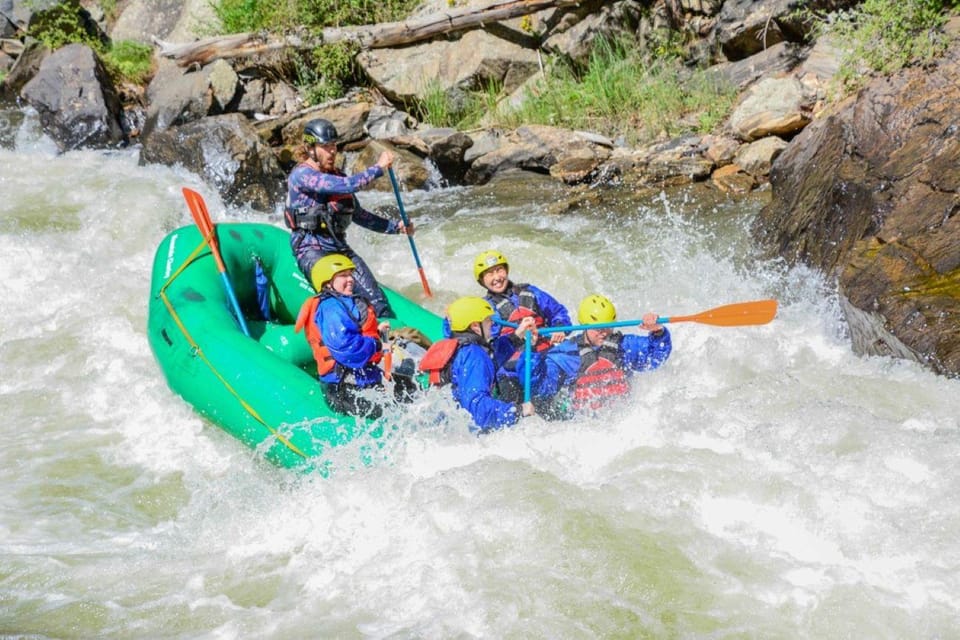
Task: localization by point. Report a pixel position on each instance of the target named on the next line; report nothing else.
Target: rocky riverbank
(865, 190)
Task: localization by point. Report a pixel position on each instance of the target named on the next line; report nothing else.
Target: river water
(764, 483)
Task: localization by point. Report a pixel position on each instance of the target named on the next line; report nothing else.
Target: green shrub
(456, 108)
(883, 36)
(129, 60)
(62, 25)
(622, 92)
(323, 73)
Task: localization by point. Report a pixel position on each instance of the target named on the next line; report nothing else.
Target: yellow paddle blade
(739, 314)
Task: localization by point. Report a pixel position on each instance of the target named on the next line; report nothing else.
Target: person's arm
(554, 314)
(342, 336)
(472, 380)
(647, 352)
(317, 183)
(551, 370)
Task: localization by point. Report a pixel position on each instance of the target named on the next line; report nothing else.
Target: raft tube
(261, 389)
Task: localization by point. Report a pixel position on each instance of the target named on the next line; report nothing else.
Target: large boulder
(747, 27)
(227, 152)
(871, 195)
(538, 148)
(504, 54)
(174, 20)
(76, 99)
(471, 62)
(176, 96)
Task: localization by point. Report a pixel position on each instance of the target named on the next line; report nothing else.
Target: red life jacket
(601, 376)
(515, 313)
(307, 320)
(438, 358)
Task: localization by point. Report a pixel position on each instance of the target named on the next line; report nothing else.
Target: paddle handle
(406, 224)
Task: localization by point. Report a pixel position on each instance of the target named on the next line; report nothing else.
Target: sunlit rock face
(872, 195)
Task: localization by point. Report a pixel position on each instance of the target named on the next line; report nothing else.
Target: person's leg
(405, 388)
(509, 388)
(367, 286)
(307, 258)
(348, 400)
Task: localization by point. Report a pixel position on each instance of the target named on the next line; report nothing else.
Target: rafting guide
(321, 205)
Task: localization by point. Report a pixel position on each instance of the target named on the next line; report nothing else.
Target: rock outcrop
(871, 194)
(76, 99)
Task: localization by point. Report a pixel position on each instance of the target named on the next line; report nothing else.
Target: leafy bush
(883, 36)
(129, 60)
(622, 92)
(325, 72)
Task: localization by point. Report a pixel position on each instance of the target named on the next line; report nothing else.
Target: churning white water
(764, 483)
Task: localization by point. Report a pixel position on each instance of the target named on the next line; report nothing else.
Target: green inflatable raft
(261, 389)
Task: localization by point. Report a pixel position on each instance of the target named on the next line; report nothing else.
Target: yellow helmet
(464, 311)
(486, 260)
(327, 267)
(596, 309)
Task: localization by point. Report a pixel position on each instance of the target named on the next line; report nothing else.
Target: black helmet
(319, 131)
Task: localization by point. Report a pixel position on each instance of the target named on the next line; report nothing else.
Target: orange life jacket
(515, 313)
(601, 376)
(307, 321)
(436, 361)
(438, 358)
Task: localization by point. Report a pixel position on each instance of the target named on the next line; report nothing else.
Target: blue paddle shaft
(582, 327)
(403, 215)
(233, 302)
(527, 349)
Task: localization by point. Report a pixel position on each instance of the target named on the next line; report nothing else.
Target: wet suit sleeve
(316, 183)
(472, 380)
(369, 220)
(643, 353)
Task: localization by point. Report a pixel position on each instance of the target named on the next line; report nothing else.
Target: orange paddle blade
(201, 216)
(739, 314)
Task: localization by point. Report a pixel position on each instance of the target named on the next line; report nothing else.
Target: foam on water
(765, 482)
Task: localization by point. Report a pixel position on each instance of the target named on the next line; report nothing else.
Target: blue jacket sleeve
(554, 313)
(551, 370)
(472, 380)
(646, 352)
(341, 335)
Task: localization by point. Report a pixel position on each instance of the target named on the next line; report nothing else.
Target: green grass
(129, 61)
(458, 109)
(619, 92)
(884, 36)
(325, 72)
(126, 61)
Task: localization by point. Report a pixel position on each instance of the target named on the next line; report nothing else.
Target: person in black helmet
(321, 205)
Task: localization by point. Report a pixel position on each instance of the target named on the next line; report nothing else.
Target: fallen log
(387, 34)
